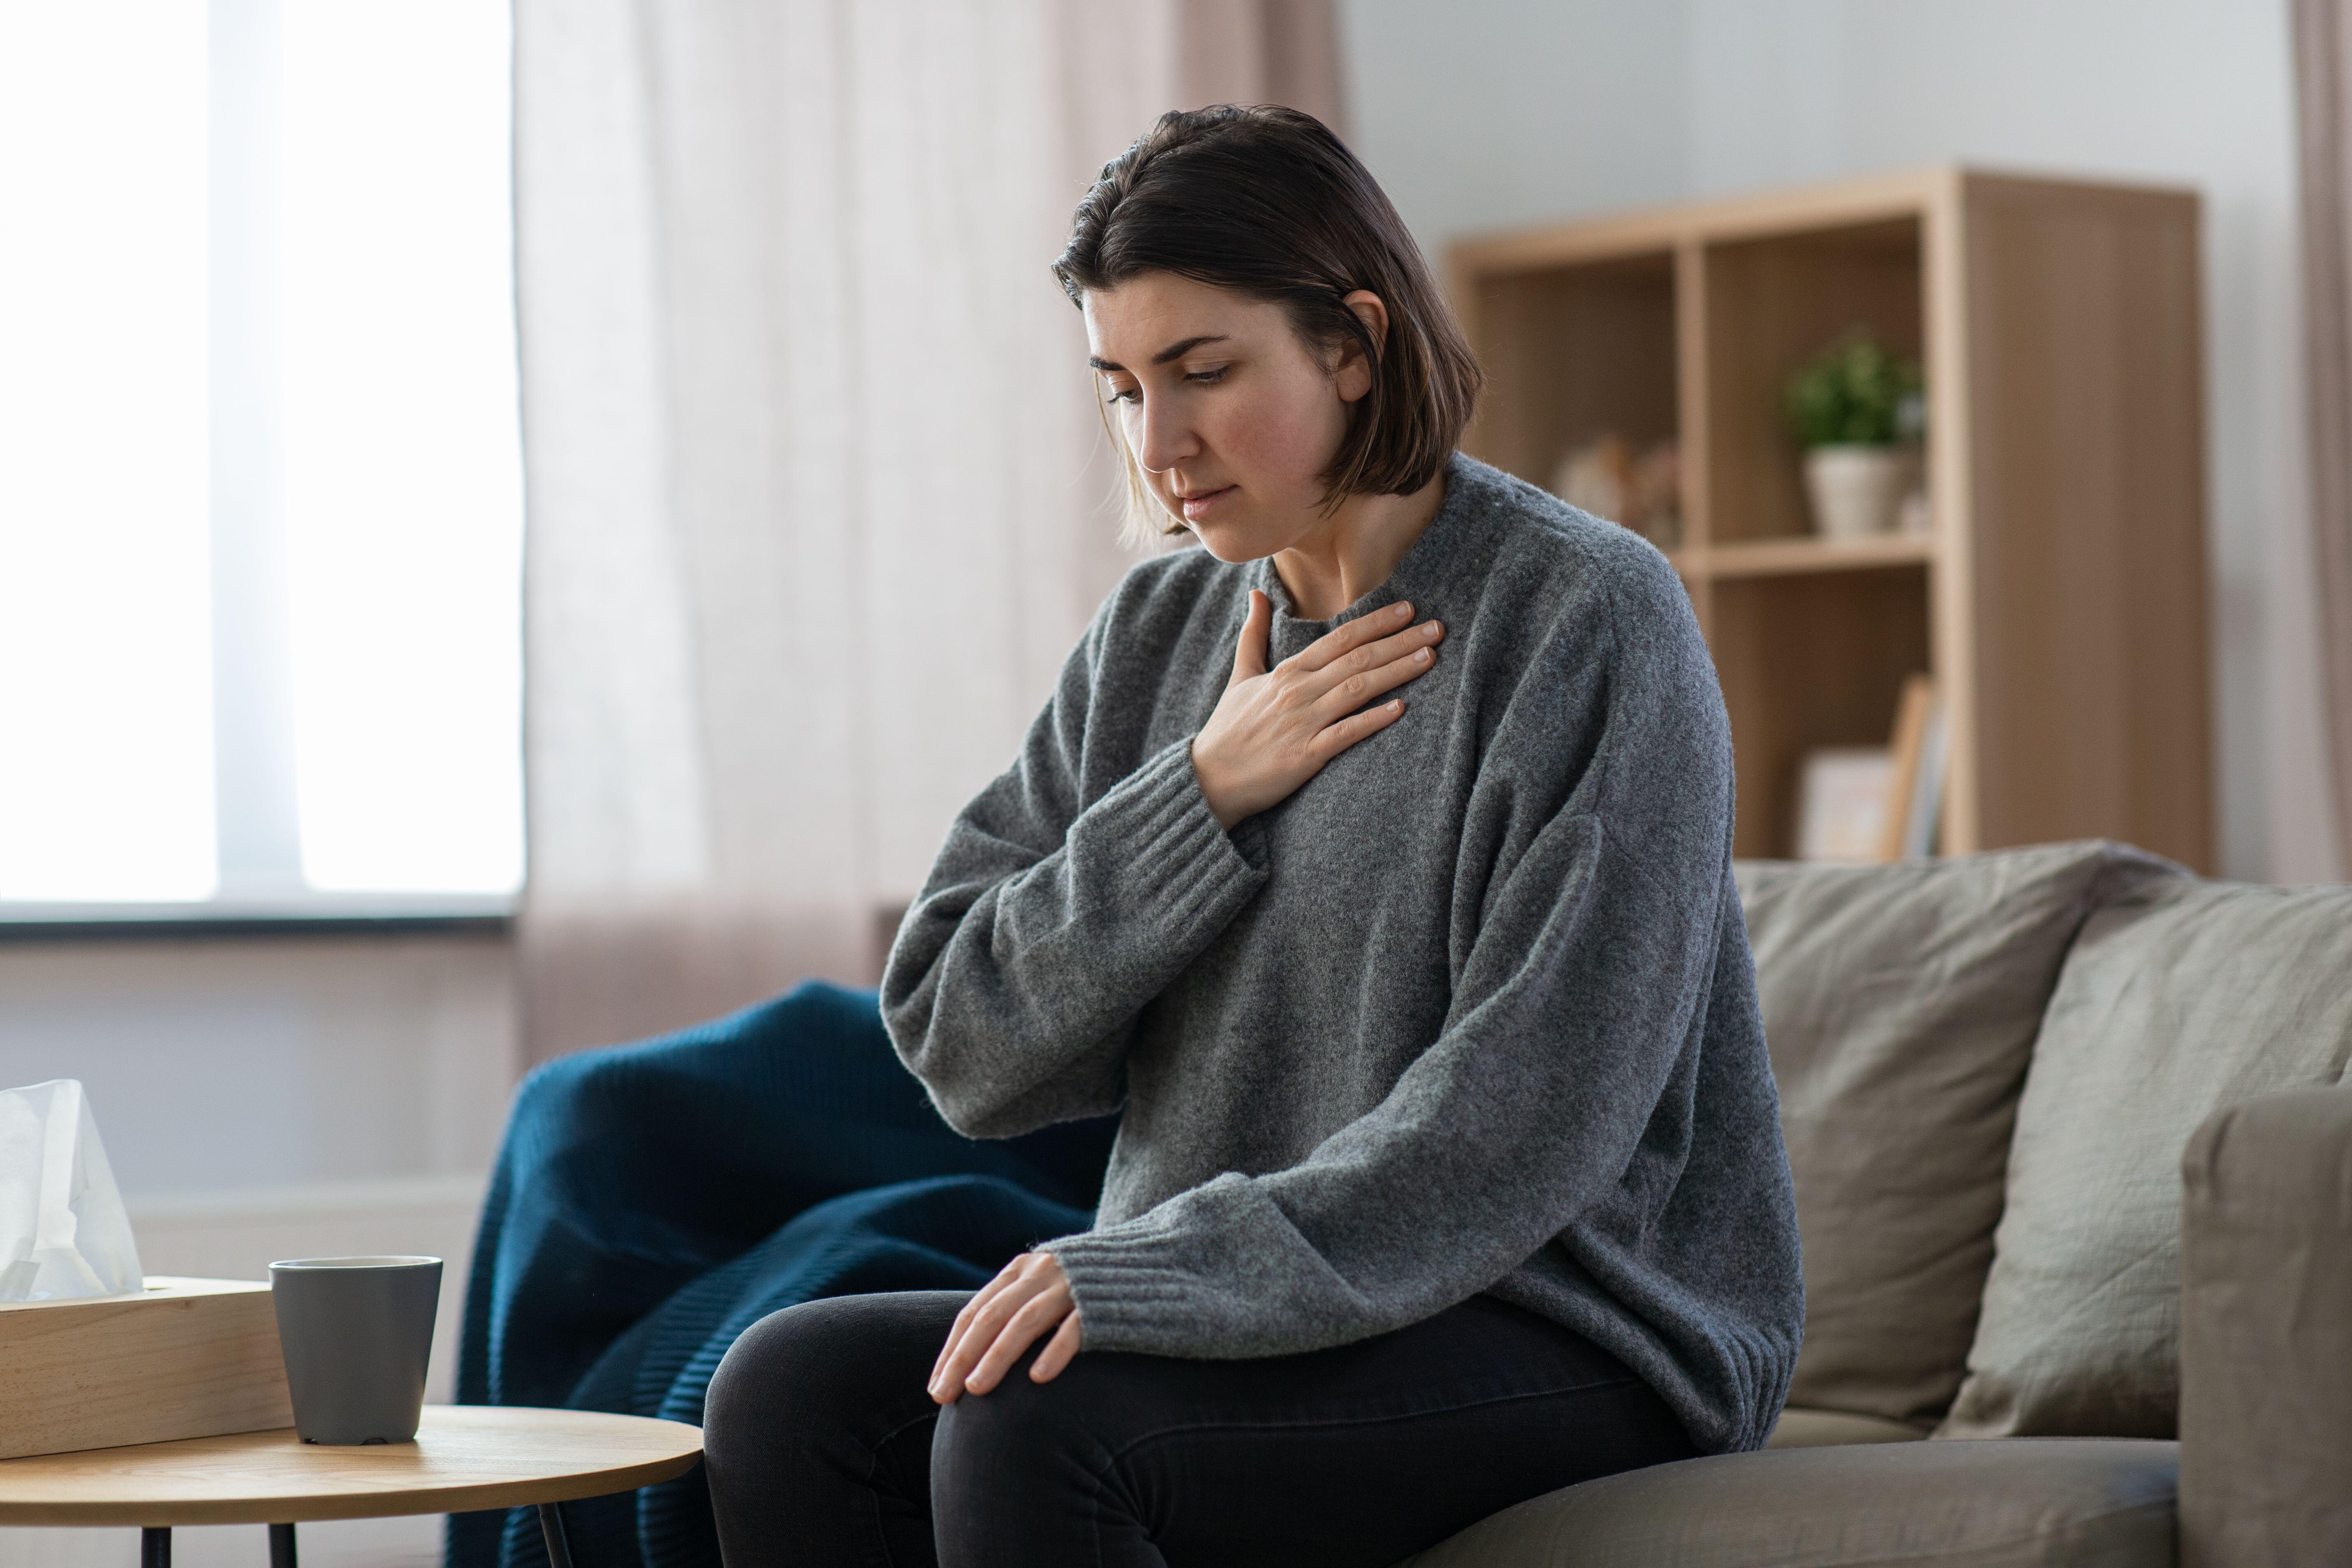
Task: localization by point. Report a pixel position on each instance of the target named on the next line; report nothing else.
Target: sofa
(2072, 1148)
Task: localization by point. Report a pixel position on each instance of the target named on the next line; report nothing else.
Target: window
(260, 491)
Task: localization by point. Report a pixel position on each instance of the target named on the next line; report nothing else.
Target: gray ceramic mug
(357, 1334)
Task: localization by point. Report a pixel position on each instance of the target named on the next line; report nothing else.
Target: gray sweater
(1471, 1011)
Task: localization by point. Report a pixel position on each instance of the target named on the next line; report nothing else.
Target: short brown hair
(1266, 202)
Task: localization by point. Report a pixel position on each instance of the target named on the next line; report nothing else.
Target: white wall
(1488, 113)
(282, 1098)
(412, 1540)
(223, 1062)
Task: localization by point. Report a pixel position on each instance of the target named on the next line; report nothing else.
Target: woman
(1373, 858)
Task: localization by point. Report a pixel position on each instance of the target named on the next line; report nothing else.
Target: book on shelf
(1916, 799)
(1841, 803)
(1864, 804)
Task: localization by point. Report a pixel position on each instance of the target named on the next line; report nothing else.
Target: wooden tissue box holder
(183, 1358)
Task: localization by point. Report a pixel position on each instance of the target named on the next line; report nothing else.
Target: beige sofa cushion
(2187, 997)
(2266, 1331)
(2023, 1503)
(1901, 1003)
(1799, 1428)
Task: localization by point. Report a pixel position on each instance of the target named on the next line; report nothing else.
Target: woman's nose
(1166, 437)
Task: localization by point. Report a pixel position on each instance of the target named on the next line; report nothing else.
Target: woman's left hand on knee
(1029, 1300)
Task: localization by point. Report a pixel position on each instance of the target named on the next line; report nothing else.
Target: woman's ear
(1354, 371)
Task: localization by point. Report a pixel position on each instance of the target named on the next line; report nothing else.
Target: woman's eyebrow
(1173, 351)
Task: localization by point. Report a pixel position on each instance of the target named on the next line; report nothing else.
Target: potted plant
(1857, 409)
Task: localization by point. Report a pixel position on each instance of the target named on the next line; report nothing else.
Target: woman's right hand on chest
(1273, 729)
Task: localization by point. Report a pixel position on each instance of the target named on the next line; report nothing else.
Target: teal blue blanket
(651, 1202)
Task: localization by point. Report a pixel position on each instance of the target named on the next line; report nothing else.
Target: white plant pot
(1857, 491)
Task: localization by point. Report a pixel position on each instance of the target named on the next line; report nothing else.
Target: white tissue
(63, 1231)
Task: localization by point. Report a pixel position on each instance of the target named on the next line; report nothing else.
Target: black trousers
(823, 1449)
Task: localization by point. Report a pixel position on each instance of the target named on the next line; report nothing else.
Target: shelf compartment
(1808, 661)
(1771, 304)
(1790, 557)
(1572, 351)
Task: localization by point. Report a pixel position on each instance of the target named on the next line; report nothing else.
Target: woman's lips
(1197, 504)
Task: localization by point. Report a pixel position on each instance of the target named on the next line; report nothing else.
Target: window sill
(321, 914)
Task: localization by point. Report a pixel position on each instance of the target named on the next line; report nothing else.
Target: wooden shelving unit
(2058, 598)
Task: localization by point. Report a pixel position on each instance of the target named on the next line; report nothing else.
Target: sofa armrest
(2267, 1334)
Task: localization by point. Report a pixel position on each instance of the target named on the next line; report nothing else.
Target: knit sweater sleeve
(1049, 919)
(1604, 805)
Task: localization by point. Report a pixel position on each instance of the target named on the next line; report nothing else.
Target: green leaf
(1855, 391)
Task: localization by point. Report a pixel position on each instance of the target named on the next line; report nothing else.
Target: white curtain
(817, 499)
(2323, 47)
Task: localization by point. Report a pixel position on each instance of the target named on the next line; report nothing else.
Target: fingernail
(1402, 610)
(1431, 629)
(1422, 656)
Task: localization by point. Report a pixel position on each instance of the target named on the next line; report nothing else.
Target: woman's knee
(817, 1416)
(839, 1361)
(1068, 1429)
(1032, 1471)
(781, 1365)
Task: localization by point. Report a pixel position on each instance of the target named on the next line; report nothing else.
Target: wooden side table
(465, 1457)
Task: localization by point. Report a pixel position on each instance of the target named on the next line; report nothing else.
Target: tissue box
(185, 1358)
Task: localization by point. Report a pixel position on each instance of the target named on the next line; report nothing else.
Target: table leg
(155, 1547)
(551, 1525)
(281, 1546)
